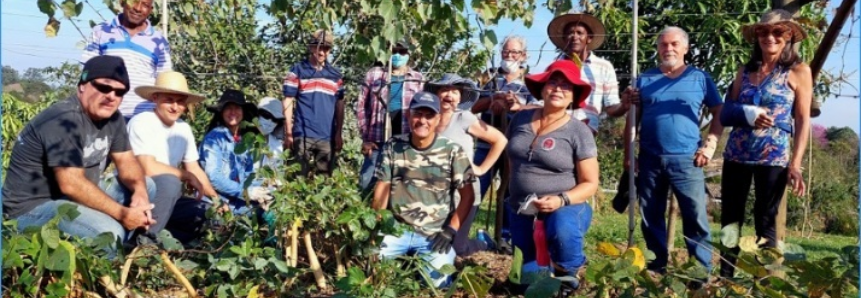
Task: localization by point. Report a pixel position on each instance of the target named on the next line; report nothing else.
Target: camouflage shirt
(423, 180)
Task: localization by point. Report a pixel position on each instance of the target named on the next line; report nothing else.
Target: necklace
(541, 130)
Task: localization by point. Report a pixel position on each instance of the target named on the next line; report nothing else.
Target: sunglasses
(105, 89)
(315, 47)
(776, 31)
(267, 115)
(401, 51)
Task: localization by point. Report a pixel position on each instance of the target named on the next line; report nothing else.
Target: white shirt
(169, 145)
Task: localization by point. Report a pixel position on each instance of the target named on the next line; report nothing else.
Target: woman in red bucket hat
(554, 170)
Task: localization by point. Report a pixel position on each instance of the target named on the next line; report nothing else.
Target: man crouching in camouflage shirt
(416, 179)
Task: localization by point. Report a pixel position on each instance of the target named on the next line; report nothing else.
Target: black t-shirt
(60, 136)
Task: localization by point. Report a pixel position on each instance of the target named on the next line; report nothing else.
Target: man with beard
(672, 154)
(146, 51)
(316, 89)
(578, 35)
(416, 179)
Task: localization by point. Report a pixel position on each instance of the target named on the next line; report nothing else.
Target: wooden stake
(294, 243)
(339, 261)
(671, 222)
(124, 274)
(178, 275)
(315, 263)
(288, 247)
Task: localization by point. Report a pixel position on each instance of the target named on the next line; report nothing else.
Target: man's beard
(670, 62)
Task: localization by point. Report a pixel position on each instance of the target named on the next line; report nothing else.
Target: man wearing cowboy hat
(578, 35)
(404, 83)
(60, 154)
(131, 37)
(165, 146)
(318, 118)
(672, 152)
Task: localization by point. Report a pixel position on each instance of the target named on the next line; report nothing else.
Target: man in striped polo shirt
(316, 121)
(578, 35)
(145, 51)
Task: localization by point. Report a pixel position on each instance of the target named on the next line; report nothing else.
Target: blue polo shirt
(146, 54)
(671, 109)
(316, 93)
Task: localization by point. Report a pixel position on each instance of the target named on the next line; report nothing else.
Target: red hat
(569, 69)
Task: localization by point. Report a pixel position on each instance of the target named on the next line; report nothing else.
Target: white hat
(271, 105)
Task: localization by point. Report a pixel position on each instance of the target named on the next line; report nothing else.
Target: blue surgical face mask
(399, 60)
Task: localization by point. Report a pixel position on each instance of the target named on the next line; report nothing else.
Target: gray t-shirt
(458, 131)
(552, 169)
(60, 136)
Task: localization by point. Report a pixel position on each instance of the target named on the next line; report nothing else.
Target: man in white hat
(578, 35)
(163, 142)
(313, 125)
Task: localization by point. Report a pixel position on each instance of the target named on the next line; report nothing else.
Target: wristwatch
(566, 200)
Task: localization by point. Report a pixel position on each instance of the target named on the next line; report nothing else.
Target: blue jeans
(565, 230)
(90, 223)
(366, 174)
(657, 175)
(412, 242)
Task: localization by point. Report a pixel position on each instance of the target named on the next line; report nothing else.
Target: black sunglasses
(400, 51)
(105, 89)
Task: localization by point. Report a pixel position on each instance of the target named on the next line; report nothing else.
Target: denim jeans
(367, 180)
(90, 223)
(565, 231)
(658, 174)
(411, 242)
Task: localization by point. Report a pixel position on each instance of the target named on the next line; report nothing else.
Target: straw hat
(169, 82)
(774, 17)
(555, 30)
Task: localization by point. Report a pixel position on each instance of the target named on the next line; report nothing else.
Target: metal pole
(387, 130)
(632, 119)
(164, 18)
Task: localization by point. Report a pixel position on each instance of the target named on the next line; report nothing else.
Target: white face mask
(267, 126)
(510, 66)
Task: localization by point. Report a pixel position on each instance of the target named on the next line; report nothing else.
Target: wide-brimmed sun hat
(272, 106)
(774, 17)
(468, 88)
(535, 82)
(170, 82)
(556, 28)
(249, 110)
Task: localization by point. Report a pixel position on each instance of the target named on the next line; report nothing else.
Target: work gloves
(442, 241)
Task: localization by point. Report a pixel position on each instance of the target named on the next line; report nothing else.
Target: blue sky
(24, 45)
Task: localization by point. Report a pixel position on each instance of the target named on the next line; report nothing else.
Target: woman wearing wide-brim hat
(769, 103)
(227, 169)
(553, 157)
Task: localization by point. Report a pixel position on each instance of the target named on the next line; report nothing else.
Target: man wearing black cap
(312, 128)
(376, 97)
(416, 178)
(59, 156)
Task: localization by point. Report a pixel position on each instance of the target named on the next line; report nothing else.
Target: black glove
(441, 241)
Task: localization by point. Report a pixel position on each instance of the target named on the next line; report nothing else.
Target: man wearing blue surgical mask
(379, 98)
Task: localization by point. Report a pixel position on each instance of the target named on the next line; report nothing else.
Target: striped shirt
(605, 89)
(370, 111)
(316, 93)
(146, 54)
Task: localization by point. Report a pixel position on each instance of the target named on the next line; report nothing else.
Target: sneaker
(486, 238)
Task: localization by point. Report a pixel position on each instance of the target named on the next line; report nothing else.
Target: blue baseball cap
(425, 100)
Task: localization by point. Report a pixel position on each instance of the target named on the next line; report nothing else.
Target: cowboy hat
(556, 28)
(170, 82)
(774, 17)
(249, 110)
(468, 89)
(535, 82)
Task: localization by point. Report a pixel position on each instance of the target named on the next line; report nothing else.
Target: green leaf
(730, 235)
(386, 10)
(46, 7)
(280, 265)
(224, 265)
(515, 272)
(69, 8)
(50, 236)
(488, 39)
(168, 242)
(63, 258)
(544, 288)
(260, 264)
(447, 269)
(370, 220)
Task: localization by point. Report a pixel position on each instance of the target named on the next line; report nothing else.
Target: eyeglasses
(401, 51)
(105, 89)
(776, 31)
(507, 52)
(561, 83)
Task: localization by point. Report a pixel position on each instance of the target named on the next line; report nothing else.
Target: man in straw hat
(578, 35)
(163, 142)
(316, 122)
(131, 37)
(60, 154)
(672, 152)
